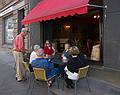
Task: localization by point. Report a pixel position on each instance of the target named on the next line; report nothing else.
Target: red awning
(51, 9)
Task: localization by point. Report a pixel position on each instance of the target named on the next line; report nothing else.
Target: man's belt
(17, 50)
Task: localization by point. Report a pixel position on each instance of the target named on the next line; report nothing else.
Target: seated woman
(78, 60)
(61, 60)
(33, 53)
(66, 55)
(41, 62)
(33, 56)
(48, 49)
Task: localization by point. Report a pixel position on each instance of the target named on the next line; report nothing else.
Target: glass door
(9, 28)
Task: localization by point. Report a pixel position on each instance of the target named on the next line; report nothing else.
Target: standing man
(18, 50)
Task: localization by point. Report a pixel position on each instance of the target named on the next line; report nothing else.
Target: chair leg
(15, 66)
(63, 84)
(58, 82)
(30, 76)
(88, 84)
(25, 75)
(29, 82)
(63, 80)
(48, 88)
(32, 87)
(75, 87)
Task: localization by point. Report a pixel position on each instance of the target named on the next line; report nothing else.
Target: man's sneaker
(19, 80)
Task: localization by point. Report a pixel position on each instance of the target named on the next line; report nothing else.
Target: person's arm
(53, 51)
(33, 56)
(48, 65)
(15, 44)
(33, 63)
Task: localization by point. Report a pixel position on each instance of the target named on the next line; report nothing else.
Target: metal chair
(82, 74)
(26, 66)
(30, 73)
(40, 75)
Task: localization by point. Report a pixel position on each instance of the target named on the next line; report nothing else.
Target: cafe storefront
(79, 22)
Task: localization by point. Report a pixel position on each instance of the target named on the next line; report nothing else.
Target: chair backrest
(40, 74)
(83, 71)
(26, 65)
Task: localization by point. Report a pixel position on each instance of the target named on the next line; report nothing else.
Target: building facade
(108, 27)
(11, 14)
(109, 34)
(36, 32)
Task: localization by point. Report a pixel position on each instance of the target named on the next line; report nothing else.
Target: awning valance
(51, 9)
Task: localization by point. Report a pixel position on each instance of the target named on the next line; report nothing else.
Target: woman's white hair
(36, 47)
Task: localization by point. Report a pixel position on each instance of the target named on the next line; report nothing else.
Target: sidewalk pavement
(8, 83)
(102, 81)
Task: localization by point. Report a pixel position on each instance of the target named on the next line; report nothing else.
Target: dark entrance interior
(81, 30)
(21, 15)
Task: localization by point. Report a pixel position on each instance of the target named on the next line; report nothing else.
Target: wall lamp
(67, 26)
(96, 16)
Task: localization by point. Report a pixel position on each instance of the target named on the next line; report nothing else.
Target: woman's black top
(75, 63)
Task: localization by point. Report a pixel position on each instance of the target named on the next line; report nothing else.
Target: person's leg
(18, 66)
(62, 66)
(68, 81)
(30, 68)
(22, 67)
(15, 58)
(51, 73)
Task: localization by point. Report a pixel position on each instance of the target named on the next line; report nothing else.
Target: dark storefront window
(84, 31)
(21, 15)
(96, 2)
(9, 28)
(81, 30)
